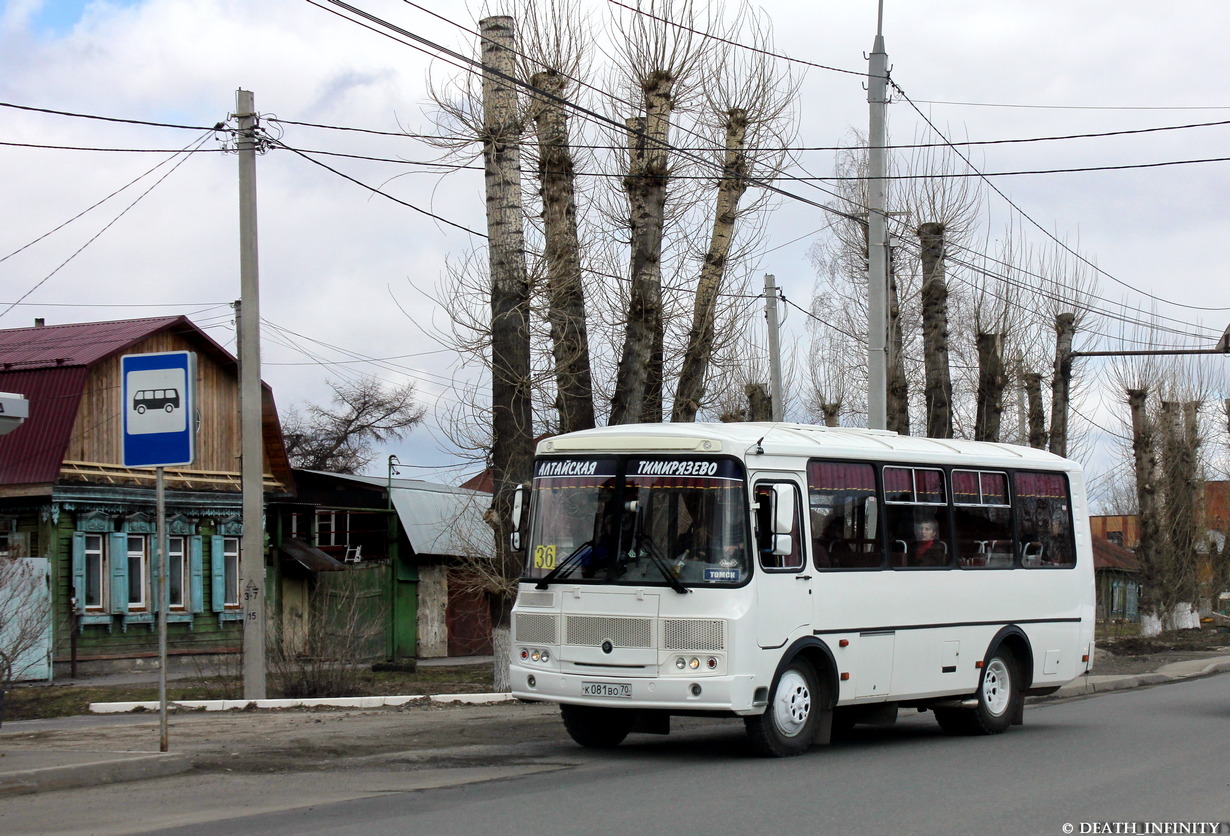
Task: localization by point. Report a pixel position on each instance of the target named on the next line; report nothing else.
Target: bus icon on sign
(145, 399)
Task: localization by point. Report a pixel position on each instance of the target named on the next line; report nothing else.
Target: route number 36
(544, 557)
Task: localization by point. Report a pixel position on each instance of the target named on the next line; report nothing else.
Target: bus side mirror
(518, 506)
(783, 519)
(783, 509)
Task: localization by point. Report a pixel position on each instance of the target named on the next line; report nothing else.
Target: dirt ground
(1133, 654)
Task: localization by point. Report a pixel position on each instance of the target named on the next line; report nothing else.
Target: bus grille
(693, 634)
(591, 631)
(535, 628)
(536, 599)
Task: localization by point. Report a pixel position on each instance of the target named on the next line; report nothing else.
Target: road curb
(336, 702)
(105, 769)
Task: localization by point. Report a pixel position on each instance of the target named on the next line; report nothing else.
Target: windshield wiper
(649, 547)
(567, 563)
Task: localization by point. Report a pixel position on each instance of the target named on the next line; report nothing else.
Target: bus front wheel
(998, 696)
(597, 728)
(788, 725)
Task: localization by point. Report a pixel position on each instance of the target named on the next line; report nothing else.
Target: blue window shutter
(117, 554)
(217, 574)
(153, 549)
(79, 567)
(196, 580)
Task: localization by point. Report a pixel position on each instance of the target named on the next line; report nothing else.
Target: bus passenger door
(783, 584)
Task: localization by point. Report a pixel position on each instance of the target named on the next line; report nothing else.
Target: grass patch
(36, 701)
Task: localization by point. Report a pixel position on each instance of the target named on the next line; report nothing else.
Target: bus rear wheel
(597, 728)
(788, 725)
(998, 695)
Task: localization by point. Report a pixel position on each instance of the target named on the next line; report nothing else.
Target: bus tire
(788, 725)
(999, 696)
(597, 728)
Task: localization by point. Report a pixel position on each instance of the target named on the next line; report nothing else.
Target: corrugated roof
(309, 557)
(77, 344)
(438, 519)
(1108, 555)
(49, 366)
(444, 521)
(32, 453)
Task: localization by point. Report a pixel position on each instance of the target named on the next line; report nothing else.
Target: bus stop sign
(159, 408)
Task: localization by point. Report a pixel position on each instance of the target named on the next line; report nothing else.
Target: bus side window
(1044, 519)
(765, 536)
(845, 524)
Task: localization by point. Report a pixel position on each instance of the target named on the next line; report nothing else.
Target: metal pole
(252, 554)
(164, 601)
(877, 235)
(775, 355)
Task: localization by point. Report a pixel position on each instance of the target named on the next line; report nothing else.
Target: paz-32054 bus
(799, 577)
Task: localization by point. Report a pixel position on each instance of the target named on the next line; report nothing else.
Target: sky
(348, 276)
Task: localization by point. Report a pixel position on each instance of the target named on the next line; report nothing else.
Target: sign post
(159, 421)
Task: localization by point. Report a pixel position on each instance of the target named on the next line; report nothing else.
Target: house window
(326, 528)
(230, 560)
(137, 563)
(94, 593)
(176, 574)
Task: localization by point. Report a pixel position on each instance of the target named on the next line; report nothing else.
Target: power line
(39, 146)
(220, 126)
(96, 235)
(174, 154)
(1074, 107)
(1043, 229)
(441, 219)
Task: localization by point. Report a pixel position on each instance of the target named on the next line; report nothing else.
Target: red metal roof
(31, 454)
(49, 365)
(87, 343)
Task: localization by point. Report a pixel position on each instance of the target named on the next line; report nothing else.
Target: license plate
(610, 690)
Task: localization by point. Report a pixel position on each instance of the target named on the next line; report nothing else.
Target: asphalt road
(1150, 755)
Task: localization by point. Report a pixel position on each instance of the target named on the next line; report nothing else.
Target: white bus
(800, 577)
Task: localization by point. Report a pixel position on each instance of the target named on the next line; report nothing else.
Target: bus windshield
(663, 521)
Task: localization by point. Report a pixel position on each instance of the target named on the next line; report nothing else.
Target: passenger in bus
(928, 548)
(604, 546)
(823, 545)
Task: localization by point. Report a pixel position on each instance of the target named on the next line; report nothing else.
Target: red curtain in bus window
(994, 488)
(1041, 485)
(898, 484)
(840, 477)
(965, 487)
(929, 485)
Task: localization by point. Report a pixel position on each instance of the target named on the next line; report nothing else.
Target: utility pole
(252, 552)
(775, 354)
(877, 235)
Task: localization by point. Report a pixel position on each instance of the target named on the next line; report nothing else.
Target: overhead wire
(109, 224)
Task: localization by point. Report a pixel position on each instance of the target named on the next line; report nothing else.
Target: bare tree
(340, 440)
(659, 62)
(555, 50)
(747, 100)
(24, 620)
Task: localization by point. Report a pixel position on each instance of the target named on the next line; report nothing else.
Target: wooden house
(65, 495)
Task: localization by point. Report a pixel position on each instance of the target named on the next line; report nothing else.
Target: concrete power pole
(877, 235)
(775, 354)
(252, 551)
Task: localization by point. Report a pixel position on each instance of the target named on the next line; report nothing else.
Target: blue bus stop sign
(159, 408)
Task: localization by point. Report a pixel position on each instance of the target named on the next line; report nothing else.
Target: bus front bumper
(673, 693)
